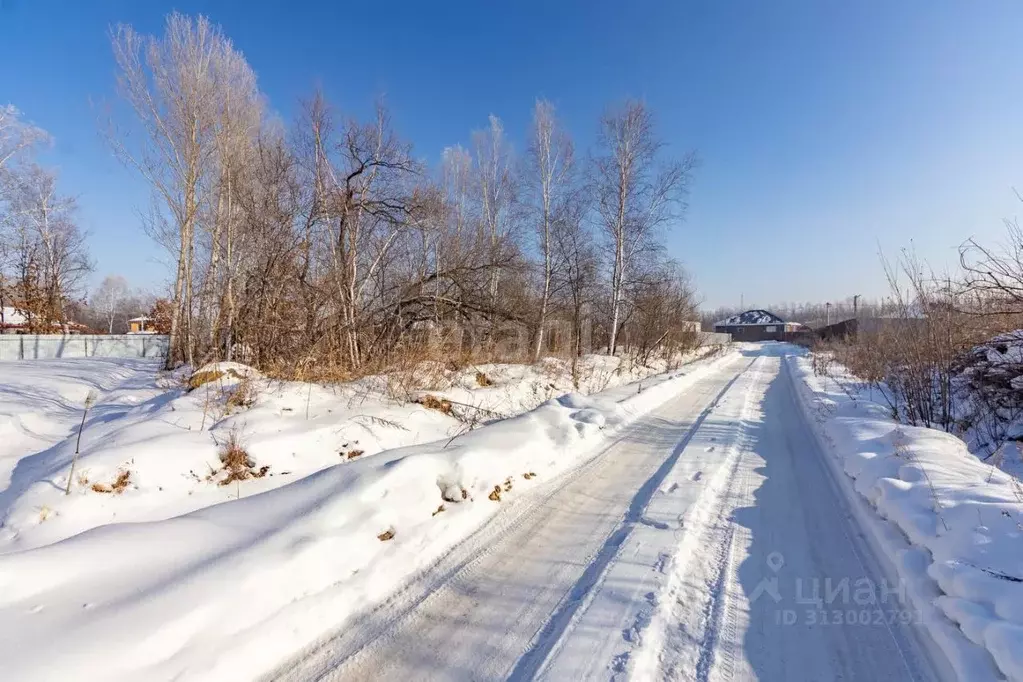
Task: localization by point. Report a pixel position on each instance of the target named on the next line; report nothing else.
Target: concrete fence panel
(42, 346)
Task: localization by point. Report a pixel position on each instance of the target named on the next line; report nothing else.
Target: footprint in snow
(711, 448)
(698, 475)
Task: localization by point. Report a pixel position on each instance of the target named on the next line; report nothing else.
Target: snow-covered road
(709, 542)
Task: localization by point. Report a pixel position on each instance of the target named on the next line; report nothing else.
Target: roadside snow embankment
(158, 446)
(958, 547)
(230, 591)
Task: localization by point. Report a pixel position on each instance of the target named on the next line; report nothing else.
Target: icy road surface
(710, 542)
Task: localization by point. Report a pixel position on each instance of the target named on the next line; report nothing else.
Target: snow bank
(958, 546)
(152, 445)
(230, 591)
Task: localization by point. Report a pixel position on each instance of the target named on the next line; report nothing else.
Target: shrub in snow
(237, 465)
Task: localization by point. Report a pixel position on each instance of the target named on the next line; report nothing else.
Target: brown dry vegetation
(923, 353)
(432, 402)
(119, 485)
(236, 465)
(242, 395)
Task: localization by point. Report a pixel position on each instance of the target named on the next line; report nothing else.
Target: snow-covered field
(141, 553)
(955, 523)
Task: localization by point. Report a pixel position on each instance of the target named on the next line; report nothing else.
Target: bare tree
(171, 85)
(576, 275)
(635, 194)
(551, 165)
(368, 204)
(494, 168)
(17, 141)
(51, 252)
(996, 272)
(16, 136)
(109, 298)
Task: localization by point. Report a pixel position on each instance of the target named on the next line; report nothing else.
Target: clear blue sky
(824, 127)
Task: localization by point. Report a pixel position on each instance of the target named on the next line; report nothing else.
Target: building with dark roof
(757, 325)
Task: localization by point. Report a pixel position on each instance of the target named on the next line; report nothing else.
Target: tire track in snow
(674, 648)
(548, 641)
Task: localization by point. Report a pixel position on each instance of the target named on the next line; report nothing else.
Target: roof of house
(143, 318)
(751, 318)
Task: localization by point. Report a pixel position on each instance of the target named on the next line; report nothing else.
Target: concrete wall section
(39, 346)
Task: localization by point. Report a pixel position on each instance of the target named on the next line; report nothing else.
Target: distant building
(13, 321)
(758, 325)
(852, 328)
(141, 325)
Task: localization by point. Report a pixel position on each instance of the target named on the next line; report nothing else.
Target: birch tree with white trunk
(636, 193)
(494, 171)
(551, 165)
(110, 297)
(170, 86)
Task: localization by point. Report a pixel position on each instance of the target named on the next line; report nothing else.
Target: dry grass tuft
(495, 494)
(202, 378)
(482, 379)
(432, 402)
(236, 462)
(243, 395)
(386, 535)
(119, 485)
(528, 475)
(352, 454)
(439, 510)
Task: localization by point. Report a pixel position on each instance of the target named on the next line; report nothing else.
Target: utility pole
(856, 306)
(827, 306)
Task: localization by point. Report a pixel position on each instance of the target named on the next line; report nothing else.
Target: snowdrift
(955, 531)
(153, 445)
(232, 590)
